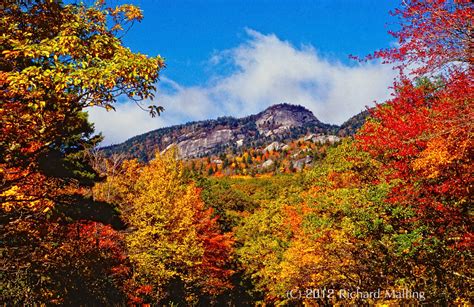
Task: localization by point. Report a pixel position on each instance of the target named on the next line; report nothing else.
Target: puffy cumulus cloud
(262, 71)
(269, 71)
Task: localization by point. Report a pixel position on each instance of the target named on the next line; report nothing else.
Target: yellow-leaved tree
(175, 244)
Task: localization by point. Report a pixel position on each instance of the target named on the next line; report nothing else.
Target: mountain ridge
(278, 122)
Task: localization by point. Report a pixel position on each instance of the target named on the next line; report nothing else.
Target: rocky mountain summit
(280, 118)
(279, 123)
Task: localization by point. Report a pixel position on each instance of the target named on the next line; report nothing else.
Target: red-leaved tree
(423, 139)
(433, 35)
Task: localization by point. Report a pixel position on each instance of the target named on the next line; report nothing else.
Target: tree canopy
(57, 60)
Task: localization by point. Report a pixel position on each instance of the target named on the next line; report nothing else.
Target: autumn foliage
(388, 210)
(44, 261)
(423, 135)
(391, 210)
(433, 36)
(424, 138)
(172, 224)
(57, 60)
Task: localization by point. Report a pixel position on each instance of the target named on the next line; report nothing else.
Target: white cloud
(264, 71)
(127, 121)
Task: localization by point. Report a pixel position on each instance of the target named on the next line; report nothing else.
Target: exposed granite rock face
(279, 118)
(204, 143)
(274, 146)
(301, 163)
(276, 124)
(267, 163)
(331, 139)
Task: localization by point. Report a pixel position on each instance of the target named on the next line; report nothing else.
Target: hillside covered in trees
(281, 122)
(383, 216)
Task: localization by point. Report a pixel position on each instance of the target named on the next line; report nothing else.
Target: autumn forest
(381, 217)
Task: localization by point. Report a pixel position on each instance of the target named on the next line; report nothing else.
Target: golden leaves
(434, 157)
(173, 235)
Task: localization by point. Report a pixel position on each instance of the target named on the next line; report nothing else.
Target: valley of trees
(389, 209)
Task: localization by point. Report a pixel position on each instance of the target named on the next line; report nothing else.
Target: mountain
(353, 124)
(281, 122)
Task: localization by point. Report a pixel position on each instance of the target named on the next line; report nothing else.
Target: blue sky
(239, 57)
(187, 33)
